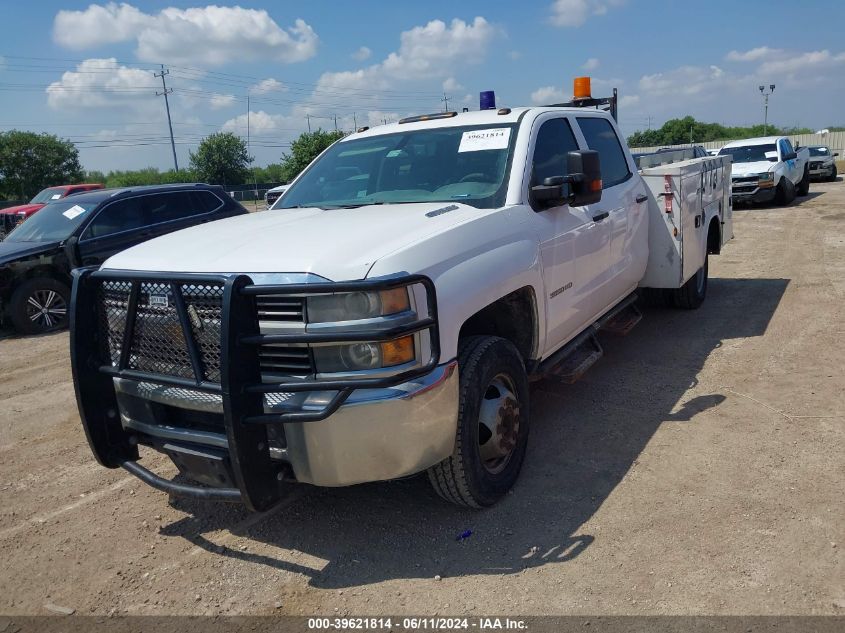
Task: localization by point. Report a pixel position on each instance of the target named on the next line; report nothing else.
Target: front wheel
(804, 186)
(39, 305)
(492, 433)
(785, 192)
(833, 174)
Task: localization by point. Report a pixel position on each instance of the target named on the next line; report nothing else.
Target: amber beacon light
(581, 89)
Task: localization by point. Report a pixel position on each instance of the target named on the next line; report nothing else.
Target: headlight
(766, 180)
(354, 306)
(363, 356)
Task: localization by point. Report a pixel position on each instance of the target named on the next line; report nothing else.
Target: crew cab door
(621, 208)
(793, 169)
(574, 248)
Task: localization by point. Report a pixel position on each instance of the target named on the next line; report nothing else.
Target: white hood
(338, 244)
(745, 169)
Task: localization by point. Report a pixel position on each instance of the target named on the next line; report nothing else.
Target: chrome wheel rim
(46, 309)
(498, 424)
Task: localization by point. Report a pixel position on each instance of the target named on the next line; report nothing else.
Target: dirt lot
(697, 469)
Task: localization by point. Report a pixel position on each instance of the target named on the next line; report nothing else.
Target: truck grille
(157, 342)
(816, 165)
(279, 308)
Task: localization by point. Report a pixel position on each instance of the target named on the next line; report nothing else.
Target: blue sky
(84, 71)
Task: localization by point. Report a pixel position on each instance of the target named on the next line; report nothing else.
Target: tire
(804, 186)
(833, 175)
(785, 192)
(655, 297)
(39, 305)
(493, 387)
(691, 295)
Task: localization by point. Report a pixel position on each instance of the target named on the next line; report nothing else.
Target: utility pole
(308, 118)
(335, 123)
(165, 92)
(649, 123)
(445, 100)
(355, 121)
(766, 106)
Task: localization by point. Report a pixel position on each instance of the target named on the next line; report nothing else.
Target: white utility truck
(768, 168)
(386, 320)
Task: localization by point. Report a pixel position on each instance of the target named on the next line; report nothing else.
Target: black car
(86, 229)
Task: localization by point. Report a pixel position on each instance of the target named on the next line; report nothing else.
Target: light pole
(766, 106)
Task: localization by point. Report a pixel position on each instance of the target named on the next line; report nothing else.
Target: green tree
(303, 150)
(221, 159)
(29, 162)
(688, 130)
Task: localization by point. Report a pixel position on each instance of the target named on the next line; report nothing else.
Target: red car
(10, 217)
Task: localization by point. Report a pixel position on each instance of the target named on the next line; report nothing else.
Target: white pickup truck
(767, 169)
(386, 320)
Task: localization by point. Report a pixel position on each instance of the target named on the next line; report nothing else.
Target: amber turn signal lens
(397, 351)
(595, 185)
(393, 301)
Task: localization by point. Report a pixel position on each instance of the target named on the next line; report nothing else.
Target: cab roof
(762, 140)
(509, 116)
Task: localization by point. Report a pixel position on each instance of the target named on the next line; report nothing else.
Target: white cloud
(103, 83)
(514, 55)
(575, 12)
(547, 94)
(426, 51)
(451, 85)
(755, 54)
(362, 54)
(219, 102)
(627, 101)
(261, 123)
(267, 85)
(806, 64)
(210, 35)
(686, 81)
(591, 64)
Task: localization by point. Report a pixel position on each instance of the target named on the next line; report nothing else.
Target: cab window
(554, 141)
(602, 138)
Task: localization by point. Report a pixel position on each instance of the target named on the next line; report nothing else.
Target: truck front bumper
(174, 362)
(378, 434)
(824, 171)
(748, 195)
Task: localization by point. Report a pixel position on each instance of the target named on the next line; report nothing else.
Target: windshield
(52, 193)
(464, 164)
(56, 221)
(819, 151)
(748, 153)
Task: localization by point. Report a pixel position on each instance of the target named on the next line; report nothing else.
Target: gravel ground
(696, 469)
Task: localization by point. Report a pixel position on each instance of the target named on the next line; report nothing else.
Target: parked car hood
(29, 209)
(746, 169)
(338, 244)
(10, 251)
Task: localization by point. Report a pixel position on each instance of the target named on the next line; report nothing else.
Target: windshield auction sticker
(492, 138)
(74, 211)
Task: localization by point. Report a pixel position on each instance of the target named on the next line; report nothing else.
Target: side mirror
(71, 248)
(585, 169)
(836, 153)
(790, 156)
(582, 185)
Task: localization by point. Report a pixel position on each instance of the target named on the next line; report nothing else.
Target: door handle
(600, 216)
(641, 198)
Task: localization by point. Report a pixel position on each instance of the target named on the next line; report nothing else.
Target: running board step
(577, 361)
(623, 321)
